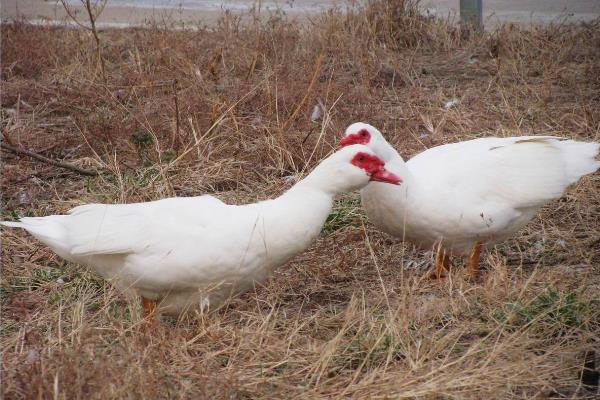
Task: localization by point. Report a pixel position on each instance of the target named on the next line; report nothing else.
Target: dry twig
(18, 150)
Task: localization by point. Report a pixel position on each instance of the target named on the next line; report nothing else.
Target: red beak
(348, 140)
(383, 175)
(355, 138)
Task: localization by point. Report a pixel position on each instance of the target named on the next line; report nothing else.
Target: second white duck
(459, 197)
(190, 253)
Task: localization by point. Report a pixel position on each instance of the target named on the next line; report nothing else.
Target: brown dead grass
(352, 317)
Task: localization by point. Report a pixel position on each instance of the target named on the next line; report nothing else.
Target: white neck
(326, 178)
(394, 162)
(385, 151)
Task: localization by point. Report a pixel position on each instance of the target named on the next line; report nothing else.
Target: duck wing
(102, 229)
(524, 171)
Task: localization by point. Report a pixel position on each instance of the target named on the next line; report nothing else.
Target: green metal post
(471, 13)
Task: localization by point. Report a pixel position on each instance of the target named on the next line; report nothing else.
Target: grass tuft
(552, 310)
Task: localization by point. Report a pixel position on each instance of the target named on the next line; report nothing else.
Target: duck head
(350, 168)
(368, 135)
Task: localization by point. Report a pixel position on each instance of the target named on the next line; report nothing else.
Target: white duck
(459, 197)
(185, 253)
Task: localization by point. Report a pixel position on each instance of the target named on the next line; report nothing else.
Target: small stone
(290, 179)
(316, 113)
(23, 198)
(32, 356)
(451, 104)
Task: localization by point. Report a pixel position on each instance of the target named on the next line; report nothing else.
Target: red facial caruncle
(361, 137)
(375, 168)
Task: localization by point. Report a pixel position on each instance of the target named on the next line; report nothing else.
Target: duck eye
(363, 134)
(361, 158)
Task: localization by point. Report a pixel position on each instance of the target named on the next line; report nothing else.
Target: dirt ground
(158, 112)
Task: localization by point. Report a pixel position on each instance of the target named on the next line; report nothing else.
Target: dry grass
(351, 317)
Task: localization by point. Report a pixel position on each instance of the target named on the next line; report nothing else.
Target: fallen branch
(41, 158)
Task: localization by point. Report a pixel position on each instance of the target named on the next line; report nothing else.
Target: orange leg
(473, 265)
(442, 264)
(149, 307)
